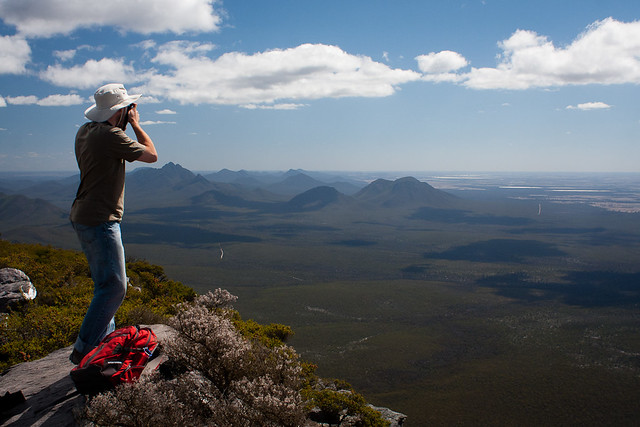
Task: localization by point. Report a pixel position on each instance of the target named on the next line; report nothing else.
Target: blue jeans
(103, 248)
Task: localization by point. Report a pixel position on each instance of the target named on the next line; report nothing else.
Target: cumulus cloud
(15, 53)
(308, 71)
(441, 62)
(146, 44)
(91, 74)
(61, 100)
(165, 111)
(44, 18)
(64, 55)
(49, 101)
(3, 103)
(441, 66)
(607, 52)
(589, 106)
(22, 100)
(156, 122)
(288, 106)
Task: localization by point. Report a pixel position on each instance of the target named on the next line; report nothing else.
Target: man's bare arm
(149, 155)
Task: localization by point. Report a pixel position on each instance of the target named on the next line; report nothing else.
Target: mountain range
(172, 186)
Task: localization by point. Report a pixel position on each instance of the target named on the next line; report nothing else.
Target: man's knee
(120, 288)
(114, 286)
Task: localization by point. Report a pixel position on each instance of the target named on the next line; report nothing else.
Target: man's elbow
(148, 156)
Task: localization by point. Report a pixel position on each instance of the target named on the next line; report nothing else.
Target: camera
(124, 119)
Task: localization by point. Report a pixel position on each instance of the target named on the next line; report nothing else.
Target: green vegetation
(495, 316)
(450, 353)
(33, 329)
(152, 296)
(490, 312)
(252, 354)
(337, 400)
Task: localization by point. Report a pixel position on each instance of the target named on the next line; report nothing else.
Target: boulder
(15, 286)
(396, 419)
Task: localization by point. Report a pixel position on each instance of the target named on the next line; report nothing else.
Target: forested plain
(458, 308)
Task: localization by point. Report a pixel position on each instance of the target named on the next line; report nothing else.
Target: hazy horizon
(459, 173)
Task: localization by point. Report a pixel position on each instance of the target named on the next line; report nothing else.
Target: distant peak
(407, 179)
(403, 191)
(172, 165)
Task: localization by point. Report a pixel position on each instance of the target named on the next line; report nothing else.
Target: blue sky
(360, 85)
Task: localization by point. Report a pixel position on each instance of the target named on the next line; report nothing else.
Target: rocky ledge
(41, 393)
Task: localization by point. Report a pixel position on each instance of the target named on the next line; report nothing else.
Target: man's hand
(134, 116)
(149, 155)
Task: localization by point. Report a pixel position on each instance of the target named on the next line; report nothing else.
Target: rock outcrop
(15, 286)
(50, 397)
(49, 393)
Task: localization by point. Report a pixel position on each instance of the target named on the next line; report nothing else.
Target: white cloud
(144, 99)
(608, 52)
(156, 122)
(49, 101)
(182, 47)
(15, 53)
(443, 78)
(146, 44)
(91, 74)
(308, 71)
(64, 55)
(274, 106)
(589, 106)
(22, 100)
(441, 62)
(44, 18)
(166, 111)
(61, 100)
(3, 103)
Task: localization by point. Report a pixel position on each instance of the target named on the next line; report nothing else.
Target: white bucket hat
(109, 99)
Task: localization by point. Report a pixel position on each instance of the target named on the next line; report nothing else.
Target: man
(101, 148)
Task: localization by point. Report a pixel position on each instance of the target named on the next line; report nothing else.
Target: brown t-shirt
(101, 150)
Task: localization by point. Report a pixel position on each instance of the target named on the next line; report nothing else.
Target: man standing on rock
(101, 149)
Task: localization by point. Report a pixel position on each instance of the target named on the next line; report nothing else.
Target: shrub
(271, 335)
(216, 376)
(33, 329)
(222, 371)
(337, 403)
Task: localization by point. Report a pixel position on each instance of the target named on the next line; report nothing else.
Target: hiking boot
(76, 357)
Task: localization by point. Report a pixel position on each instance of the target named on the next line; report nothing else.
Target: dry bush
(214, 377)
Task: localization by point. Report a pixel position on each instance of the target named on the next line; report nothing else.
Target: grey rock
(396, 419)
(15, 286)
(51, 397)
(48, 390)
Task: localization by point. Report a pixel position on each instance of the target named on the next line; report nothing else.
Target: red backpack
(119, 358)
